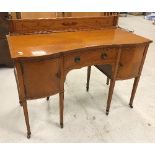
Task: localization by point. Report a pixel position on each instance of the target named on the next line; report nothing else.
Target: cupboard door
(41, 78)
(130, 62)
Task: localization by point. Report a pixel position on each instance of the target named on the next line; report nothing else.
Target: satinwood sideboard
(45, 50)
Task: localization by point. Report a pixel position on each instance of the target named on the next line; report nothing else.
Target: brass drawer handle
(77, 59)
(104, 56)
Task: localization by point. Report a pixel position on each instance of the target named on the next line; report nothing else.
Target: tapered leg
(61, 106)
(48, 98)
(112, 81)
(20, 102)
(88, 77)
(107, 81)
(26, 119)
(111, 89)
(134, 91)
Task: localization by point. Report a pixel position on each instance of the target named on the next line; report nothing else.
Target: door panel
(130, 62)
(41, 78)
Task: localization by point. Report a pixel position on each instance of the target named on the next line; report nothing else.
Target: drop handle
(58, 75)
(77, 59)
(120, 65)
(104, 56)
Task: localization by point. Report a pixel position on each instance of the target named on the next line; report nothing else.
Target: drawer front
(89, 57)
(130, 61)
(41, 78)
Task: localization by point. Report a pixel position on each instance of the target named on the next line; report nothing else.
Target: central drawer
(89, 57)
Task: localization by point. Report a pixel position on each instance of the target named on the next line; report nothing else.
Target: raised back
(89, 14)
(43, 26)
(35, 15)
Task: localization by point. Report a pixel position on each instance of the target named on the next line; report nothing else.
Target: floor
(85, 119)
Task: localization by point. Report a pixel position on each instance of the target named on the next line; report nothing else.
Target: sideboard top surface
(34, 45)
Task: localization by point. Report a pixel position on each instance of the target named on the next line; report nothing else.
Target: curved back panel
(41, 26)
(89, 14)
(35, 15)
